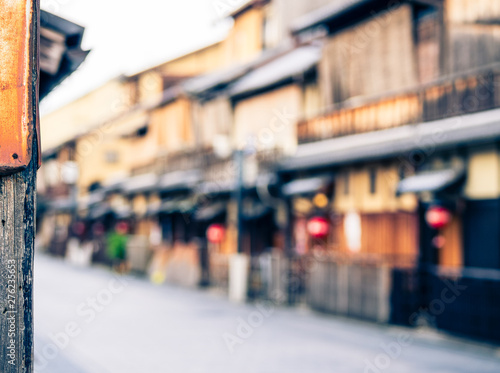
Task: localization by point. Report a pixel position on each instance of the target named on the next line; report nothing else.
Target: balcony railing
(447, 97)
(205, 159)
(268, 158)
(183, 160)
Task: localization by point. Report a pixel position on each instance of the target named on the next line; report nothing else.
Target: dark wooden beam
(17, 209)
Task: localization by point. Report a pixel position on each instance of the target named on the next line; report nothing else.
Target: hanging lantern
(438, 217)
(318, 227)
(216, 233)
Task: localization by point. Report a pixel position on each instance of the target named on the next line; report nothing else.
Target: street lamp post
(238, 264)
(240, 160)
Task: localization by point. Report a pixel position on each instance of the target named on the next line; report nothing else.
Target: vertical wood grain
(17, 227)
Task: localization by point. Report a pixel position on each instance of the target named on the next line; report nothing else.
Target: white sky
(127, 36)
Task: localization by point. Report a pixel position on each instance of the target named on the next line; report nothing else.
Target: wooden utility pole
(19, 160)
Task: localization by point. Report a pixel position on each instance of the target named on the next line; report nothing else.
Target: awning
(218, 80)
(210, 212)
(279, 70)
(169, 95)
(99, 211)
(336, 10)
(430, 181)
(153, 208)
(306, 186)
(140, 184)
(424, 137)
(255, 211)
(217, 187)
(123, 212)
(213, 80)
(181, 205)
(245, 5)
(93, 198)
(62, 205)
(135, 126)
(179, 180)
(114, 186)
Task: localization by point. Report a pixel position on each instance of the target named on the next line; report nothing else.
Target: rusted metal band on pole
(18, 79)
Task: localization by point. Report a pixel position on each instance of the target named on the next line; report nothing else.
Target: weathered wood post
(19, 20)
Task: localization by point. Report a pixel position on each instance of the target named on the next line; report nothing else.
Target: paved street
(89, 321)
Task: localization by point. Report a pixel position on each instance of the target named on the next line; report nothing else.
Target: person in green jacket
(117, 247)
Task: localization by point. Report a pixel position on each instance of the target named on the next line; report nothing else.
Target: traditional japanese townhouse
(408, 137)
(360, 98)
(268, 102)
(213, 117)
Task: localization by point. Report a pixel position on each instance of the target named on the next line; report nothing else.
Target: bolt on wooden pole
(19, 154)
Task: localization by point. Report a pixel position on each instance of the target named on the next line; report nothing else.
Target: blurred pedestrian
(117, 247)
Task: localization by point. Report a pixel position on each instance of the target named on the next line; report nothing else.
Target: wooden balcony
(183, 160)
(269, 157)
(224, 171)
(214, 168)
(447, 97)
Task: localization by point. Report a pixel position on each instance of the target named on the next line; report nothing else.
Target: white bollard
(238, 278)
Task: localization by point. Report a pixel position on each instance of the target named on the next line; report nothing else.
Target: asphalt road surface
(88, 320)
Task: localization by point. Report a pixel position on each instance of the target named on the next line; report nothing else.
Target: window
(94, 186)
(373, 181)
(141, 132)
(427, 32)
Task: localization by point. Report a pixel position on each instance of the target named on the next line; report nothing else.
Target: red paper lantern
(216, 233)
(318, 227)
(438, 217)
